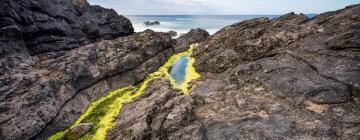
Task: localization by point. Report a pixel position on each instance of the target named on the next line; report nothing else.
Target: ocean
(183, 23)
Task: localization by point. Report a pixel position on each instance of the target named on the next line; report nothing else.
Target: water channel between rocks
(178, 69)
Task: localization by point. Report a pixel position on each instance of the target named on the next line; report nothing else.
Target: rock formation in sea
(151, 23)
(290, 77)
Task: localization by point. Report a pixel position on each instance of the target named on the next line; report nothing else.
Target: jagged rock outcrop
(191, 37)
(49, 93)
(291, 77)
(287, 78)
(54, 25)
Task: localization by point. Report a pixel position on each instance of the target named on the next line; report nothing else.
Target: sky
(222, 7)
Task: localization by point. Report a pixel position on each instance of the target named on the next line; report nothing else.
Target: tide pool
(178, 70)
(101, 112)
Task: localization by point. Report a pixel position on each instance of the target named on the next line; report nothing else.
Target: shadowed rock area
(45, 93)
(47, 79)
(291, 77)
(55, 25)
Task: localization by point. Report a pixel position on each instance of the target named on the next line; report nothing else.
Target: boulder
(193, 36)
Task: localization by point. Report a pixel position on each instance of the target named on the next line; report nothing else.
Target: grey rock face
(55, 25)
(159, 112)
(287, 78)
(45, 94)
(284, 74)
(193, 36)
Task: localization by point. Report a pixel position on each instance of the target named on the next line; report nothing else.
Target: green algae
(102, 112)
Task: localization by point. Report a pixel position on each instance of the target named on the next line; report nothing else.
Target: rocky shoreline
(290, 77)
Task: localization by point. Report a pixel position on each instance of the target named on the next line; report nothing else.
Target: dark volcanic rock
(43, 94)
(287, 78)
(193, 36)
(54, 25)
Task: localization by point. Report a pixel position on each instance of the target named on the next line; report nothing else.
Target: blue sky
(221, 7)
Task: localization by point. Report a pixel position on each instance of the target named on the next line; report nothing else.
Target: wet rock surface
(191, 37)
(291, 77)
(43, 94)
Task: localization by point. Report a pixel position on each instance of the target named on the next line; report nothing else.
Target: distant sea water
(183, 23)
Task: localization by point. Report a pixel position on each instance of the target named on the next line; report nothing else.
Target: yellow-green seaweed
(102, 111)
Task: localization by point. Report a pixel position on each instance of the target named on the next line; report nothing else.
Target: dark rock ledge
(55, 25)
(46, 78)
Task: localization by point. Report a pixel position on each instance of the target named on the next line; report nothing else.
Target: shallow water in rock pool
(178, 70)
